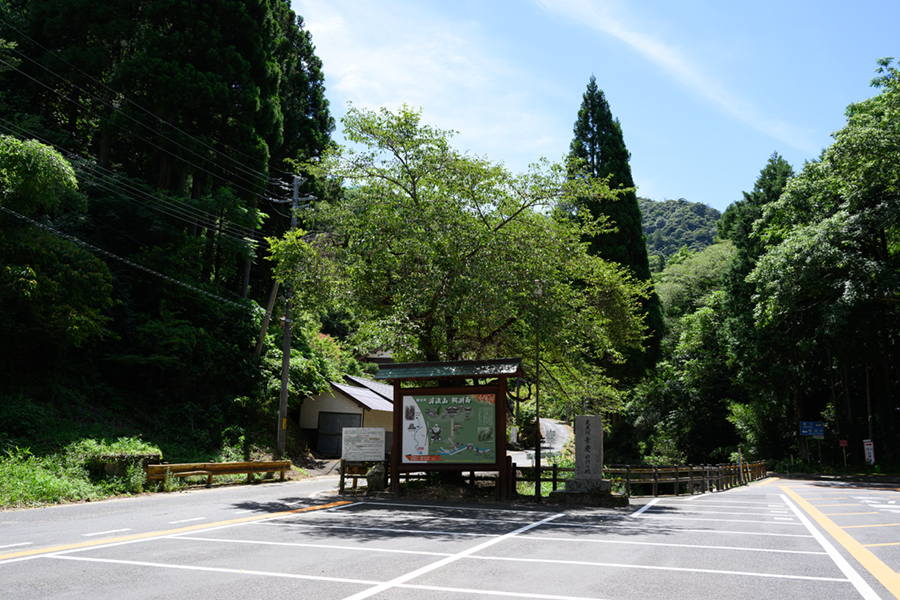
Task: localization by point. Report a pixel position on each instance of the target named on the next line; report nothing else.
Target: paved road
(774, 539)
(556, 435)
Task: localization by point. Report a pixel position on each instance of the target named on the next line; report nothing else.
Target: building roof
(501, 367)
(382, 389)
(364, 397)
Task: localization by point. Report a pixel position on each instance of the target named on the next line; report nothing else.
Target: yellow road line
(887, 544)
(849, 514)
(140, 536)
(846, 504)
(767, 481)
(884, 574)
(878, 525)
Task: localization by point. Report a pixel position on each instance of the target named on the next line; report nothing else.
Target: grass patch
(76, 473)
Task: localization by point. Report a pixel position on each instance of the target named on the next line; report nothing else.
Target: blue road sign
(813, 428)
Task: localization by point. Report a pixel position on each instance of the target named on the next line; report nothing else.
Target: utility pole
(537, 415)
(288, 322)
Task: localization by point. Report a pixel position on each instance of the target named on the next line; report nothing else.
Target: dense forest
(127, 296)
(147, 151)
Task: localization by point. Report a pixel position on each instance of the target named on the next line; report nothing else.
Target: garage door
(331, 427)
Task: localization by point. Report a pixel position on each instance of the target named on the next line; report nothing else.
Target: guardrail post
(655, 481)
(555, 474)
(628, 480)
(677, 484)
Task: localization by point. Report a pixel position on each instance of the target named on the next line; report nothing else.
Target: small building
(358, 402)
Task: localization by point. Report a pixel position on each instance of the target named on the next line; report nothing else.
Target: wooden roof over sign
(499, 367)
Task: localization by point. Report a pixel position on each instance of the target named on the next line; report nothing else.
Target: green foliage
(687, 283)
(443, 256)
(33, 177)
(674, 224)
(73, 474)
(26, 480)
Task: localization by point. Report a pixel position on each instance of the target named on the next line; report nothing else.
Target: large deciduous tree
(446, 256)
(599, 145)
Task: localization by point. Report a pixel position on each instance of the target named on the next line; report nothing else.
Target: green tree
(53, 294)
(33, 176)
(599, 148)
(829, 275)
(761, 358)
(445, 256)
(680, 411)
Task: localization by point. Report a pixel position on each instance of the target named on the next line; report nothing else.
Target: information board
(362, 444)
(812, 428)
(449, 429)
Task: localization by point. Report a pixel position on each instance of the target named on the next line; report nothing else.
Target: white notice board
(363, 444)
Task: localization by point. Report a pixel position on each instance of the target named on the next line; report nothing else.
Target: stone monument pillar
(588, 456)
(588, 487)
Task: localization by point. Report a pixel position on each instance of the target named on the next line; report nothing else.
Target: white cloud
(606, 17)
(409, 53)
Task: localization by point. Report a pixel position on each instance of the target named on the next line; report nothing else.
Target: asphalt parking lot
(751, 542)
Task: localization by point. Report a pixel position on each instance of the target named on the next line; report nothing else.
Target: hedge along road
(752, 542)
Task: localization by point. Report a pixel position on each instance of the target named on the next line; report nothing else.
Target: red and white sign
(843, 443)
(869, 448)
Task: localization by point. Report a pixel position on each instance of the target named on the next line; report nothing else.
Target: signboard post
(449, 429)
(360, 446)
(815, 429)
(869, 448)
(843, 444)
(451, 417)
(363, 444)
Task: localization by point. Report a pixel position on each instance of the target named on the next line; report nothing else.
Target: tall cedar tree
(599, 143)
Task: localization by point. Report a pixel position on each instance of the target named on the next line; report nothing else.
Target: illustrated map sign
(813, 428)
(362, 444)
(449, 429)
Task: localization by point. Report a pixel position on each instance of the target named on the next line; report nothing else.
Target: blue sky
(705, 91)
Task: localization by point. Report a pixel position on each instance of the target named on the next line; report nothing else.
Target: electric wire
(136, 105)
(181, 211)
(135, 135)
(92, 248)
(106, 103)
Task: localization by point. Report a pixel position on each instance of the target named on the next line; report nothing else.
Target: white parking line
(481, 592)
(644, 507)
(323, 546)
(855, 578)
(757, 522)
(105, 532)
(208, 569)
(187, 520)
(696, 546)
(353, 515)
(643, 527)
(658, 568)
(19, 544)
(446, 561)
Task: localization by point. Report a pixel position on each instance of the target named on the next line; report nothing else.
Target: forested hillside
(672, 224)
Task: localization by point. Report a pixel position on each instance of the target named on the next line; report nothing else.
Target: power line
(145, 140)
(183, 212)
(80, 242)
(128, 100)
